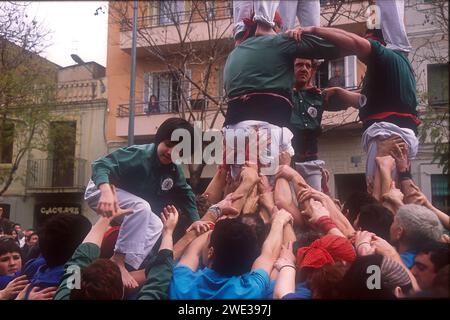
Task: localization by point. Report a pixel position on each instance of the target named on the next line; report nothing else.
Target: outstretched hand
(169, 217)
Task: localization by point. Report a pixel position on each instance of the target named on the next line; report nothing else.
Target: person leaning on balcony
(153, 105)
(306, 118)
(390, 88)
(147, 180)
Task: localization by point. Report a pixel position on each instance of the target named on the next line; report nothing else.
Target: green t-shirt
(308, 110)
(137, 169)
(267, 62)
(389, 83)
(158, 274)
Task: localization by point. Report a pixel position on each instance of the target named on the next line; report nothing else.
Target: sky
(75, 29)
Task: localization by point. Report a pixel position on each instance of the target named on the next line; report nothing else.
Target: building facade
(167, 28)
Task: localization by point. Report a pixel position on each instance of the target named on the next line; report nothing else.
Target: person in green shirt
(100, 279)
(390, 88)
(146, 181)
(309, 104)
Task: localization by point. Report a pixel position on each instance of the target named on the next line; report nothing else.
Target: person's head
(17, 227)
(374, 277)
(325, 251)
(60, 236)
(354, 202)
(428, 262)
(414, 226)
(10, 257)
(14, 234)
(101, 280)
(153, 98)
(163, 138)
(32, 239)
(374, 218)
(376, 35)
(233, 248)
(303, 69)
(323, 281)
(256, 223)
(28, 232)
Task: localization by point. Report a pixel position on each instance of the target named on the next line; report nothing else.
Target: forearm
(285, 283)
(349, 43)
(283, 199)
(445, 219)
(272, 245)
(192, 255)
(97, 232)
(167, 240)
(341, 99)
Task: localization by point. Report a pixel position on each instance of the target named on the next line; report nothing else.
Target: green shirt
(158, 274)
(389, 83)
(308, 110)
(137, 170)
(267, 62)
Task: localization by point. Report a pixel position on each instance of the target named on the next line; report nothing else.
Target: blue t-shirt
(208, 284)
(408, 258)
(301, 292)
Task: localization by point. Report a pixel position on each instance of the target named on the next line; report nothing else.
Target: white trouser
(385, 130)
(307, 12)
(392, 14)
(264, 12)
(139, 231)
(256, 141)
(311, 171)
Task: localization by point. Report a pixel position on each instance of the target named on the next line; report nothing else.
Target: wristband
(216, 210)
(287, 266)
(406, 175)
(362, 100)
(325, 223)
(364, 242)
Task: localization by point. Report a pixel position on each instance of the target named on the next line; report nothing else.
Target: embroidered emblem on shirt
(167, 184)
(312, 112)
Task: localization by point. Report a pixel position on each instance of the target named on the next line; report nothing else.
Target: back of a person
(208, 284)
(261, 62)
(389, 86)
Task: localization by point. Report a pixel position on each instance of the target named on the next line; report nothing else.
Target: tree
(430, 58)
(27, 84)
(201, 40)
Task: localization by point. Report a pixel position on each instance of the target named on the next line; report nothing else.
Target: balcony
(147, 122)
(56, 175)
(191, 25)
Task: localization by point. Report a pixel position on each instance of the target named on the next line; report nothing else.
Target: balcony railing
(198, 14)
(168, 106)
(57, 174)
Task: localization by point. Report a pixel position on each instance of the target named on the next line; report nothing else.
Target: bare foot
(127, 279)
(285, 158)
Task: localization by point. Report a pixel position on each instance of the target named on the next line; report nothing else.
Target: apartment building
(170, 31)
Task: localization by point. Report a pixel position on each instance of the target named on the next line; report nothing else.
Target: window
(337, 73)
(62, 150)
(170, 11)
(437, 77)
(6, 141)
(166, 87)
(440, 191)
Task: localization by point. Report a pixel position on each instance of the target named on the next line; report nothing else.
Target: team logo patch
(167, 184)
(312, 112)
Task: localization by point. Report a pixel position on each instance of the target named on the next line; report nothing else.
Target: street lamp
(80, 62)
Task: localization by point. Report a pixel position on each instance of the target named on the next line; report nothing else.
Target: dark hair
(377, 219)
(235, 247)
(101, 280)
(165, 130)
(354, 284)
(439, 254)
(60, 236)
(354, 203)
(28, 238)
(256, 223)
(375, 34)
(8, 245)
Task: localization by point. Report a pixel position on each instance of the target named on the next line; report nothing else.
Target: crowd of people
(253, 235)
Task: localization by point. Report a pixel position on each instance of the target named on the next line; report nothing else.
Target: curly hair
(101, 280)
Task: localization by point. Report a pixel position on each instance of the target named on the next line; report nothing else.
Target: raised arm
(349, 43)
(272, 245)
(337, 98)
